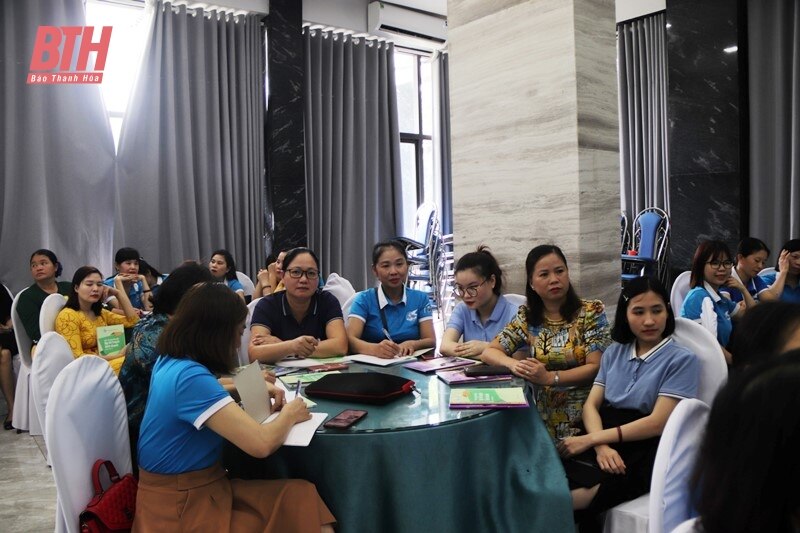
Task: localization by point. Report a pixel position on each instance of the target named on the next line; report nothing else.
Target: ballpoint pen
(297, 388)
(386, 334)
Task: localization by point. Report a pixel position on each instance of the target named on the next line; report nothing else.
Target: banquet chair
(650, 243)
(247, 284)
(713, 368)
(766, 271)
(23, 417)
(340, 287)
(84, 424)
(670, 495)
(689, 526)
(346, 308)
(624, 233)
(53, 354)
(680, 288)
(517, 299)
(244, 358)
(52, 305)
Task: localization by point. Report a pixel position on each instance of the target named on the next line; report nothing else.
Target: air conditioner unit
(392, 19)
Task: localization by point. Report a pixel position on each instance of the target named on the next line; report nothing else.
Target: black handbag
(364, 387)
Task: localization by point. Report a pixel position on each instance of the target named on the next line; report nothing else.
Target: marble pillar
(703, 108)
(535, 135)
(286, 189)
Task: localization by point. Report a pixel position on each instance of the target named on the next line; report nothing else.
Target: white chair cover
(52, 355)
(516, 299)
(244, 359)
(339, 287)
(680, 288)
(52, 305)
(765, 271)
(670, 500)
(24, 342)
(86, 420)
(247, 283)
(628, 517)
(346, 308)
(713, 368)
(690, 526)
(24, 416)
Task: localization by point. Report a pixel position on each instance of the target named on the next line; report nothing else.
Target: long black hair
(51, 256)
(231, 273)
(81, 274)
(621, 332)
(484, 264)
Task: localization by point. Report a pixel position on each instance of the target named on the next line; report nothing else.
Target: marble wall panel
(286, 191)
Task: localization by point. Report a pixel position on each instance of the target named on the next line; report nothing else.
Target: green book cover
(487, 398)
(110, 339)
(305, 378)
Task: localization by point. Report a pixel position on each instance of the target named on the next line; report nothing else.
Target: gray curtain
(642, 76)
(56, 154)
(191, 156)
(352, 151)
(774, 81)
(443, 73)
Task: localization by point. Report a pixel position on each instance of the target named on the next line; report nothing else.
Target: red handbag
(111, 509)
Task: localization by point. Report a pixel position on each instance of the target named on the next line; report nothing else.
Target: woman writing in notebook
(483, 310)
(302, 320)
(182, 485)
(643, 375)
(390, 320)
(566, 337)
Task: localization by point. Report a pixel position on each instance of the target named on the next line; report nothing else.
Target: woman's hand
(387, 349)
(269, 377)
(571, 446)
(609, 460)
(263, 276)
(277, 395)
(406, 348)
(259, 339)
(532, 370)
(304, 346)
(470, 348)
(296, 411)
(783, 261)
(733, 282)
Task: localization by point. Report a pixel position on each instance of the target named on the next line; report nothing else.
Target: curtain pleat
(642, 80)
(773, 33)
(352, 151)
(191, 160)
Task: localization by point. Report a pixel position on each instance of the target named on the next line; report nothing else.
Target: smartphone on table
(345, 419)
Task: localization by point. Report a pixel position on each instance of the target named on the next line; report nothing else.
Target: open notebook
(255, 399)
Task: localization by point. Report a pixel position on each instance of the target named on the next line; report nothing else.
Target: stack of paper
(487, 398)
(457, 377)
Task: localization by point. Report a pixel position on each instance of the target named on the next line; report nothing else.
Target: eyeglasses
(297, 273)
(717, 264)
(471, 291)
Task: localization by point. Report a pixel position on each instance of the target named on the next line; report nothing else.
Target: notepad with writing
(378, 361)
(488, 398)
(439, 363)
(110, 339)
(302, 433)
(458, 377)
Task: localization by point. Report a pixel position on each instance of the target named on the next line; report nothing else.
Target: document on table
(302, 433)
(379, 361)
(295, 362)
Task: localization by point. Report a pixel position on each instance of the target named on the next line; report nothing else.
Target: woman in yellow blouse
(83, 313)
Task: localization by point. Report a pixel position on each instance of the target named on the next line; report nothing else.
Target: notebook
(110, 339)
(458, 377)
(439, 363)
(378, 361)
(488, 398)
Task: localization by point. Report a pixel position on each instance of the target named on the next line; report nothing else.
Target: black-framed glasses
(716, 264)
(297, 273)
(470, 291)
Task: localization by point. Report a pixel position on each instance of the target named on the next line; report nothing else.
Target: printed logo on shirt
(411, 316)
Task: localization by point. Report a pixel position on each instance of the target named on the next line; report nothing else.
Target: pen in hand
(297, 388)
(386, 334)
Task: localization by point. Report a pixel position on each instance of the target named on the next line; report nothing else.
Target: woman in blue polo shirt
(302, 320)
(223, 268)
(182, 484)
(751, 258)
(711, 270)
(390, 320)
(784, 284)
(483, 310)
(643, 375)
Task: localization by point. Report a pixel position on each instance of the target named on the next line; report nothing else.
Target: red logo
(54, 50)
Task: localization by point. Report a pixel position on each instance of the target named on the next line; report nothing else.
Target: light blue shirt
(134, 294)
(234, 284)
(789, 294)
(754, 287)
(467, 322)
(723, 307)
(633, 382)
(173, 437)
(403, 318)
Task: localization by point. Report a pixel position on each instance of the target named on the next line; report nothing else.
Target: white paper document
(372, 360)
(302, 433)
(295, 362)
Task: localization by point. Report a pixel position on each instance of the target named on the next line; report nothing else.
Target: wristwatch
(556, 379)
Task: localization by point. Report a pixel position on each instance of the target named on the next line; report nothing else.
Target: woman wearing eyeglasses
(390, 320)
(705, 304)
(302, 320)
(483, 310)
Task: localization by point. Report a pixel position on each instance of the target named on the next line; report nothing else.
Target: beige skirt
(206, 500)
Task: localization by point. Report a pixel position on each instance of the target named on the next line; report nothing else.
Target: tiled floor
(27, 490)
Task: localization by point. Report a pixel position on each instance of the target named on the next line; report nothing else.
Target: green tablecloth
(495, 472)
